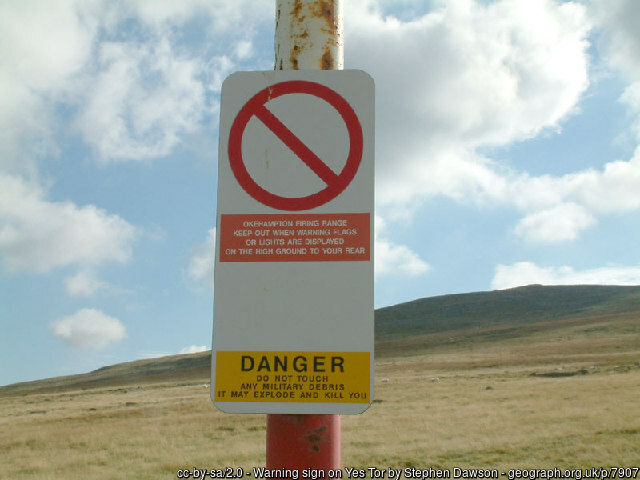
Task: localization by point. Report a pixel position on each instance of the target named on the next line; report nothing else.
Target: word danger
(299, 363)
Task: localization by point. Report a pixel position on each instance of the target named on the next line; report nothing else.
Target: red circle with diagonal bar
(336, 183)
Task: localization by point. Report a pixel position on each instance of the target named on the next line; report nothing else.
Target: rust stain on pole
(326, 10)
(312, 438)
(316, 438)
(326, 62)
(303, 441)
(297, 8)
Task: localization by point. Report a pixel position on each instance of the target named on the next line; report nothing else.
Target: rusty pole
(309, 36)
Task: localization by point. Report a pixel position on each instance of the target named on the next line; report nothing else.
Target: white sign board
(293, 301)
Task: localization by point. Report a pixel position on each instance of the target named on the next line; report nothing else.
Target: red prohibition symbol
(335, 183)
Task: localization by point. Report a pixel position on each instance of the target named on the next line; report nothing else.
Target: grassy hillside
(186, 368)
(522, 305)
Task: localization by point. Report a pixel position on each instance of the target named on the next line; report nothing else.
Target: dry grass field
(563, 394)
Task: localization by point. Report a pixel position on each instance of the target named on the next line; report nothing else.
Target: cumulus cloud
(469, 74)
(201, 263)
(89, 328)
(38, 235)
(84, 284)
(620, 38)
(391, 258)
(580, 197)
(479, 74)
(527, 273)
(130, 97)
(558, 224)
(193, 349)
(142, 100)
(149, 355)
(222, 15)
(142, 97)
(43, 45)
(558, 209)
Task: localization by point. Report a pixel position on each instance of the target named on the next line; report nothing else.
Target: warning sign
(293, 293)
(325, 377)
(295, 238)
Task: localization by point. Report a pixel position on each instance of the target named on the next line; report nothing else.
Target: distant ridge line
(426, 322)
(515, 305)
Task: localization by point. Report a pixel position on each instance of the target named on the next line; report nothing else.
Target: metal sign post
(309, 35)
(293, 327)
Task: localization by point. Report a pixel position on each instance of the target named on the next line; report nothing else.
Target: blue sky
(506, 154)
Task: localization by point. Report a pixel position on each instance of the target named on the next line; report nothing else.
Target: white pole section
(309, 35)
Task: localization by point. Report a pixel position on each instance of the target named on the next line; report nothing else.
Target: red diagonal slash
(296, 145)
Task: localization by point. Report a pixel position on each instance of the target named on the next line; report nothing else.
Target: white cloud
(37, 235)
(221, 66)
(528, 273)
(149, 355)
(561, 223)
(84, 284)
(144, 96)
(463, 76)
(89, 328)
(193, 349)
(224, 16)
(631, 97)
(615, 188)
(42, 46)
(131, 97)
(141, 102)
(201, 263)
(397, 259)
(477, 74)
(557, 208)
(560, 208)
(620, 38)
(244, 49)
(390, 258)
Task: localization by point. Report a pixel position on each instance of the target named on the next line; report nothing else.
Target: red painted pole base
(303, 441)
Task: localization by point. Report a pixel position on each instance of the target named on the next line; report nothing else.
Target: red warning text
(338, 237)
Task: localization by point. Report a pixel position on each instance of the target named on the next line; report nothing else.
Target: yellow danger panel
(326, 377)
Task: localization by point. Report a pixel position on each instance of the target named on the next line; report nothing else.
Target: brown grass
(566, 398)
